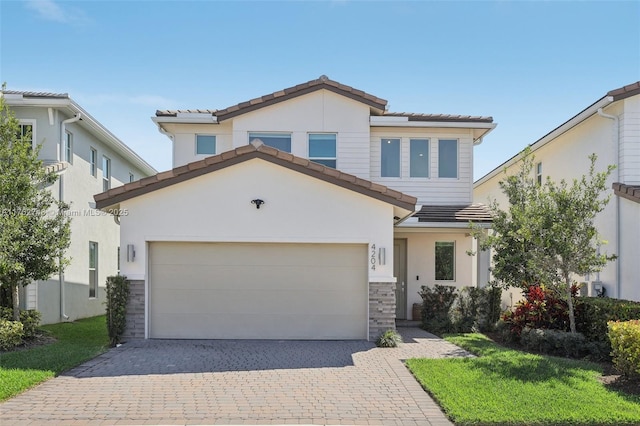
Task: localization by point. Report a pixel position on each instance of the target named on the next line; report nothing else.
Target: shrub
(593, 314)
(555, 342)
(542, 308)
(10, 334)
(625, 344)
(436, 303)
(477, 309)
(117, 297)
(30, 320)
(389, 339)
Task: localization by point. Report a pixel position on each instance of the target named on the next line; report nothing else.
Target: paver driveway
(240, 382)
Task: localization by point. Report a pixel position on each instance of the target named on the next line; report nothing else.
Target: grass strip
(508, 387)
(77, 342)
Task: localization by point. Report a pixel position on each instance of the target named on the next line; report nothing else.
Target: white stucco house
(610, 128)
(308, 213)
(88, 159)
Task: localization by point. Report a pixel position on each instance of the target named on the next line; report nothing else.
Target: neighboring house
(610, 128)
(89, 159)
(308, 213)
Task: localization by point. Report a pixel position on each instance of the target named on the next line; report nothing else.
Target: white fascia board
(414, 223)
(441, 124)
(387, 119)
(19, 100)
(563, 128)
(199, 119)
(108, 137)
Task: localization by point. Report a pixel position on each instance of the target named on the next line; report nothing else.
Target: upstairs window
(419, 158)
(390, 158)
(131, 177)
(445, 261)
(93, 161)
(448, 158)
(539, 173)
(205, 144)
(322, 149)
(106, 173)
(68, 147)
(25, 131)
(280, 141)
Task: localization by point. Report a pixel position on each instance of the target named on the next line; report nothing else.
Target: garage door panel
(258, 291)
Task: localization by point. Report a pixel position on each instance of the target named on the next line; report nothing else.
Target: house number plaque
(372, 258)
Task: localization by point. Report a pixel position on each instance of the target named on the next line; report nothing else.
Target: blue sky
(530, 65)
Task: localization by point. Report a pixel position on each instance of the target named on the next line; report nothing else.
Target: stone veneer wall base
(135, 311)
(382, 308)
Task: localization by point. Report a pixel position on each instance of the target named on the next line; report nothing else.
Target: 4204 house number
(372, 257)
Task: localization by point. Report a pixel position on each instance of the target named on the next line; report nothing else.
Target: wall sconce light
(131, 253)
(382, 256)
(258, 202)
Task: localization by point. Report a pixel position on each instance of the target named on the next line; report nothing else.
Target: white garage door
(257, 291)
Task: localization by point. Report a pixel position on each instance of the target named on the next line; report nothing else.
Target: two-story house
(89, 159)
(610, 128)
(308, 213)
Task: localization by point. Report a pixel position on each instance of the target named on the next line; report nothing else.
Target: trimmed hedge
(10, 334)
(593, 314)
(117, 298)
(30, 320)
(625, 344)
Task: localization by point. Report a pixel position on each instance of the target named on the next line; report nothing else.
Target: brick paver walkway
(240, 382)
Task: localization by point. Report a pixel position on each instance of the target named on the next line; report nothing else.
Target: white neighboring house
(89, 159)
(308, 213)
(610, 128)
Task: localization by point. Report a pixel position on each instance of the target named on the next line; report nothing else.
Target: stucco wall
(217, 207)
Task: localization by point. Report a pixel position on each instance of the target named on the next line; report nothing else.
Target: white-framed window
(131, 177)
(106, 173)
(419, 158)
(27, 131)
(448, 158)
(390, 157)
(93, 162)
(68, 147)
(322, 149)
(539, 173)
(205, 144)
(445, 261)
(93, 269)
(280, 141)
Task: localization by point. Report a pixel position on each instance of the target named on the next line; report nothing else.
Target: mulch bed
(41, 339)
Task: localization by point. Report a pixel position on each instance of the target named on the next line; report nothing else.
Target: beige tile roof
(254, 150)
(36, 94)
(454, 213)
(282, 95)
(630, 192)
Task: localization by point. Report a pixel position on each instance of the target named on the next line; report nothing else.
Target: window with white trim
(390, 157)
(131, 177)
(322, 149)
(279, 141)
(93, 269)
(448, 158)
(205, 144)
(539, 173)
(68, 147)
(26, 132)
(93, 162)
(445, 261)
(419, 158)
(106, 173)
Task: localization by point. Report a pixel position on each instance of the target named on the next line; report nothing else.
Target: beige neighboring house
(610, 128)
(89, 159)
(308, 213)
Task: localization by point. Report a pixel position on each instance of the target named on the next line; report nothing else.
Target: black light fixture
(258, 202)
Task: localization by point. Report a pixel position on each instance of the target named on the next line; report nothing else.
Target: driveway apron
(240, 382)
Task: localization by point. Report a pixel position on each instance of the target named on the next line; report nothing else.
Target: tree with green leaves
(547, 234)
(34, 230)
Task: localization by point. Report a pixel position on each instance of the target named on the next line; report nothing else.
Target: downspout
(616, 141)
(63, 128)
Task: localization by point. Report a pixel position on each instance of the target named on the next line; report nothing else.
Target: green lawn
(78, 342)
(504, 386)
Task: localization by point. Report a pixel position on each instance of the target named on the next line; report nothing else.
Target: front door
(400, 272)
